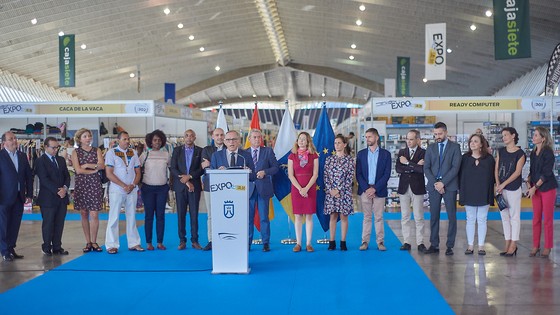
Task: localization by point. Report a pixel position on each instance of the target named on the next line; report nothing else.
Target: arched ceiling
(273, 49)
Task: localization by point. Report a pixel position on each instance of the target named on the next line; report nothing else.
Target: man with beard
(441, 167)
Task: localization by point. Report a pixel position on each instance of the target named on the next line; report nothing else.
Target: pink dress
(301, 205)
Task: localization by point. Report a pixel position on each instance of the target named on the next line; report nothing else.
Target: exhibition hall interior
(414, 146)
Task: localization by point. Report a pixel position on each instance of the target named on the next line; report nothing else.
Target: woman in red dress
(303, 169)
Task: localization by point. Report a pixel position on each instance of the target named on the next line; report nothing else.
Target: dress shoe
(7, 257)
(332, 245)
(60, 252)
(381, 247)
(343, 246)
(449, 251)
(266, 247)
(297, 248)
(15, 255)
(196, 245)
(182, 246)
(309, 248)
(149, 246)
(405, 246)
(432, 250)
(136, 248)
(208, 246)
(47, 252)
(364, 246)
(422, 248)
(160, 246)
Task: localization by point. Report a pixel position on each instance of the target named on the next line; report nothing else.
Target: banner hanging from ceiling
(553, 73)
(403, 76)
(66, 61)
(436, 42)
(512, 29)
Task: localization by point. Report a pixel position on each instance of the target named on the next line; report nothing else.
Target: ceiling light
(424, 80)
(191, 37)
(351, 57)
(362, 7)
(323, 94)
(353, 46)
(132, 75)
(217, 68)
(166, 11)
(201, 49)
(358, 22)
(488, 13)
(180, 25)
(254, 95)
(449, 50)
(61, 33)
(83, 46)
(473, 27)
(34, 21)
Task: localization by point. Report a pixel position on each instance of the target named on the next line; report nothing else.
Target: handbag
(103, 176)
(501, 201)
(142, 169)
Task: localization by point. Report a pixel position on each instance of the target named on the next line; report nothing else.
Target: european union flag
(323, 139)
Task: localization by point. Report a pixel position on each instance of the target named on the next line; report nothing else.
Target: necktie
(255, 156)
(440, 159)
(411, 153)
(232, 159)
(54, 161)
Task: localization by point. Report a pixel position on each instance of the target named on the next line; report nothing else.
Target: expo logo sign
(395, 104)
(10, 109)
(226, 186)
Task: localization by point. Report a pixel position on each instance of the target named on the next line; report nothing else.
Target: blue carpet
(280, 282)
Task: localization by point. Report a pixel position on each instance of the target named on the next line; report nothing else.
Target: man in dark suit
(16, 187)
(410, 166)
(266, 166)
(373, 169)
(218, 137)
(441, 167)
(54, 180)
(186, 171)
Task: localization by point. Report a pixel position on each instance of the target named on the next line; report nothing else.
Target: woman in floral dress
(88, 193)
(339, 174)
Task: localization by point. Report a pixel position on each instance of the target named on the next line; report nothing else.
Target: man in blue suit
(266, 166)
(16, 186)
(441, 168)
(373, 169)
(54, 180)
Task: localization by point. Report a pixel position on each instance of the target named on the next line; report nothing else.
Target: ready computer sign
(66, 61)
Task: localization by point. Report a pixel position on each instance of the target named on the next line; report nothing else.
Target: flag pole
(289, 240)
(325, 239)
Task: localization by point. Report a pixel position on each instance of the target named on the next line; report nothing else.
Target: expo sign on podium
(229, 192)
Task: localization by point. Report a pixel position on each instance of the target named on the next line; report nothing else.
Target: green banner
(403, 76)
(66, 61)
(512, 29)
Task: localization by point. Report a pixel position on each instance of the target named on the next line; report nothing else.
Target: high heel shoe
(88, 248)
(514, 253)
(534, 252)
(546, 253)
(332, 245)
(503, 253)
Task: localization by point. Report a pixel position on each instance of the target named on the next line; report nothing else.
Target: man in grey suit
(441, 168)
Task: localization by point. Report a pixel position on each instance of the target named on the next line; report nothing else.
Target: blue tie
(54, 161)
(440, 159)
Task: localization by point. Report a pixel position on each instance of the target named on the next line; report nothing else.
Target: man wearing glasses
(54, 180)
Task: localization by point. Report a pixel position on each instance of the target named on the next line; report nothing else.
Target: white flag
(221, 122)
(436, 54)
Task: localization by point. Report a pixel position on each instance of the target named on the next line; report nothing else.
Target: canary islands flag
(287, 136)
(323, 139)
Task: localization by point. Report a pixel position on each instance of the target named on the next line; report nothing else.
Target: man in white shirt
(123, 170)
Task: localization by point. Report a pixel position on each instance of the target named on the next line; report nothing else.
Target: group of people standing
(476, 175)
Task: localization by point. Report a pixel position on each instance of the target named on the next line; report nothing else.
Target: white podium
(229, 191)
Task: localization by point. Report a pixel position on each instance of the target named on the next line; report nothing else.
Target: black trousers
(10, 221)
(191, 200)
(53, 225)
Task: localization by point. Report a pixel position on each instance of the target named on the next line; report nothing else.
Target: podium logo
(221, 186)
(229, 209)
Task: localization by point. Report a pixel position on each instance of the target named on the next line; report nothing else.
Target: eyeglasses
(231, 139)
(54, 148)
